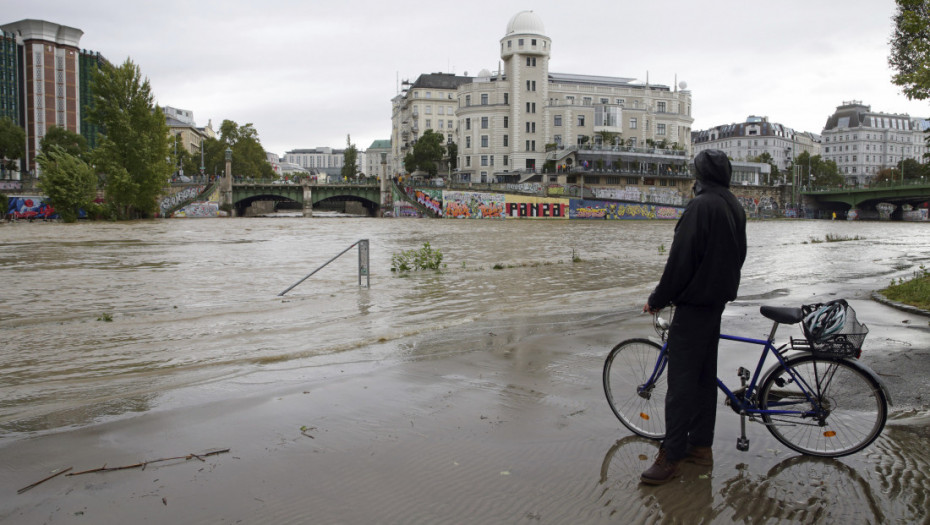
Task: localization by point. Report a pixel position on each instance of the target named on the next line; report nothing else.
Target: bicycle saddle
(782, 314)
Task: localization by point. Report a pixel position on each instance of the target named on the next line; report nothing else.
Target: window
(580, 139)
(588, 101)
(484, 160)
(467, 123)
(632, 123)
(467, 161)
(531, 61)
(506, 160)
(428, 109)
(660, 107)
(449, 123)
(467, 100)
(468, 142)
(484, 122)
(605, 100)
(533, 42)
(531, 85)
(429, 124)
(531, 107)
(660, 129)
(557, 139)
(442, 110)
(558, 120)
(442, 123)
(520, 42)
(484, 99)
(506, 122)
(506, 98)
(621, 101)
(506, 142)
(570, 100)
(581, 120)
(484, 141)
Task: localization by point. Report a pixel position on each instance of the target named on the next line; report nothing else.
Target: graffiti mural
(30, 208)
(522, 207)
(524, 187)
(590, 209)
(472, 205)
(11, 185)
(205, 209)
(180, 196)
(432, 199)
(403, 208)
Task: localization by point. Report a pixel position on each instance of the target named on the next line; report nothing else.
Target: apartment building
(863, 142)
(750, 139)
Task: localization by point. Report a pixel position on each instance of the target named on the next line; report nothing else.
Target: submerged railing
(362, 265)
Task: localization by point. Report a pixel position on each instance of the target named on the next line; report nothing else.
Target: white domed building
(512, 123)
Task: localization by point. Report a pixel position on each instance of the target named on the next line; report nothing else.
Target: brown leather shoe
(700, 456)
(662, 471)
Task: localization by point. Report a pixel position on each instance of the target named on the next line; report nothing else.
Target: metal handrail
(362, 265)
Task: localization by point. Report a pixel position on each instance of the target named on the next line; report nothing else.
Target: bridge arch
(308, 196)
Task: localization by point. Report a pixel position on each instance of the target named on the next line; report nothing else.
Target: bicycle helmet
(825, 321)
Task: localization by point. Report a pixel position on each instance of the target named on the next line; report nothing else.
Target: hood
(712, 165)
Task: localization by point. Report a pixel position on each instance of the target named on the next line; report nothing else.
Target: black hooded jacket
(709, 248)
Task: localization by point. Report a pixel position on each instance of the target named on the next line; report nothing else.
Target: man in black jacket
(701, 275)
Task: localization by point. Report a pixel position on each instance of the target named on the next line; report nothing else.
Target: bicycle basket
(846, 341)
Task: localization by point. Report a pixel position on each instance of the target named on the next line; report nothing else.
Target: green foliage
(426, 155)
(72, 143)
(4, 205)
(452, 153)
(914, 291)
(12, 143)
(350, 164)
(248, 155)
(106, 317)
(910, 48)
(132, 150)
(424, 258)
(68, 181)
(823, 173)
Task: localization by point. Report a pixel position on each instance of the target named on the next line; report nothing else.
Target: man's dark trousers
(691, 404)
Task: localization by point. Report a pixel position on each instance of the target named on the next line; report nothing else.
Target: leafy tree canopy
(68, 181)
(350, 164)
(72, 143)
(12, 143)
(248, 155)
(426, 155)
(910, 48)
(133, 147)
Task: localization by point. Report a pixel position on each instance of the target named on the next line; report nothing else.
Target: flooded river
(100, 319)
(102, 322)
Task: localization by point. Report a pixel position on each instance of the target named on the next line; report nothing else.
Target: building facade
(863, 142)
(49, 80)
(372, 166)
(508, 124)
(323, 160)
(756, 136)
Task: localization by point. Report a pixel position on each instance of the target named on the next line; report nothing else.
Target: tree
(68, 181)
(817, 172)
(910, 48)
(426, 154)
(12, 143)
(248, 156)
(134, 143)
(350, 164)
(452, 153)
(72, 143)
(766, 158)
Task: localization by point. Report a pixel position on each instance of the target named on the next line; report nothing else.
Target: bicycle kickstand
(742, 443)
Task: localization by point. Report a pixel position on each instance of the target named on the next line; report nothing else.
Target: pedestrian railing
(362, 265)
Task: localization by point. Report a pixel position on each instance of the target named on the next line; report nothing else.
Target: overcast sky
(307, 73)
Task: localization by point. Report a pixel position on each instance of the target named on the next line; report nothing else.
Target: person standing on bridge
(701, 275)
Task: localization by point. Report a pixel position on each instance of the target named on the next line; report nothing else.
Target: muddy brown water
(105, 322)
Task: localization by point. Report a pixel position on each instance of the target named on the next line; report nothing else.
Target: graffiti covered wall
(472, 205)
(591, 209)
(204, 209)
(525, 207)
(30, 208)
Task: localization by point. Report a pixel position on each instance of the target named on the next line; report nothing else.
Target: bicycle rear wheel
(628, 366)
(847, 413)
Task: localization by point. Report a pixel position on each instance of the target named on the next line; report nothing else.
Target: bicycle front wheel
(834, 408)
(638, 405)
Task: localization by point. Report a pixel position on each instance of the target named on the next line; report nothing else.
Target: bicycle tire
(854, 407)
(629, 365)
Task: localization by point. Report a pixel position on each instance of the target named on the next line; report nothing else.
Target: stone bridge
(307, 195)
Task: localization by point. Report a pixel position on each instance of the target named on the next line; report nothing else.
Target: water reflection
(890, 482)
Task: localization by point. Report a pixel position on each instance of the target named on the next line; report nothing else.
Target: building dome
(526, 22)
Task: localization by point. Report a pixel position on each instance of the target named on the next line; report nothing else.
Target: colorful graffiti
(522, 207)
(205, 209)
(432, 199)
(524, 187)
(403, 208)
(472, 205)
(30, 208)
(588, 209)
(11, 185)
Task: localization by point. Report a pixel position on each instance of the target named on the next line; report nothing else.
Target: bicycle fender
(871, 373)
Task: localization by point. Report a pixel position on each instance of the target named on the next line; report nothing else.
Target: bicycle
(818, 401)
